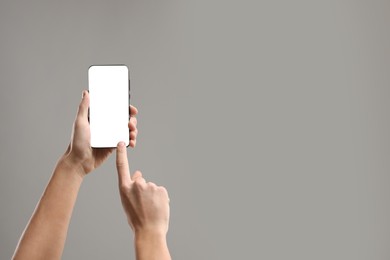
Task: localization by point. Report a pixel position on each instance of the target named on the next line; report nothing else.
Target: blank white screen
(109, 105)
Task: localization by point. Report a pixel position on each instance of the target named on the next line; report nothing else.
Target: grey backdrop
(267, 121)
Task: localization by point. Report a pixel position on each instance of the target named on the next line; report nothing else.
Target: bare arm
(147, 208)
(45, 234)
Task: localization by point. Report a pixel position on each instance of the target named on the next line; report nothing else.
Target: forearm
(45, 234)
(151, 246)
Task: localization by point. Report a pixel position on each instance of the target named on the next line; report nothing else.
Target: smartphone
(109, 92)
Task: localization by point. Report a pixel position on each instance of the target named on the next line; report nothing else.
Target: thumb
(122, 164)
(83, 107)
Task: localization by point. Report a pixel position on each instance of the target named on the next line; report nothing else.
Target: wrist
(71, 166)
(154, 234)
(151, 244)
(154, 238)
(150, 232)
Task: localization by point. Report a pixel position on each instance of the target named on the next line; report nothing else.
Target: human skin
(45, 234)
(147, 209)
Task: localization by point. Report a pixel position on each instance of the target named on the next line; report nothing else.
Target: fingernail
(121, 144)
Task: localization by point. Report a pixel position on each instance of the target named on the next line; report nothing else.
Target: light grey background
(267, 121)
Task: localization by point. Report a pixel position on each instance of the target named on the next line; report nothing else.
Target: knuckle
(162, 189)
(139, 183)
(152, 184)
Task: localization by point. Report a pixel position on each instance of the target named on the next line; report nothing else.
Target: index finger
(122, 164)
